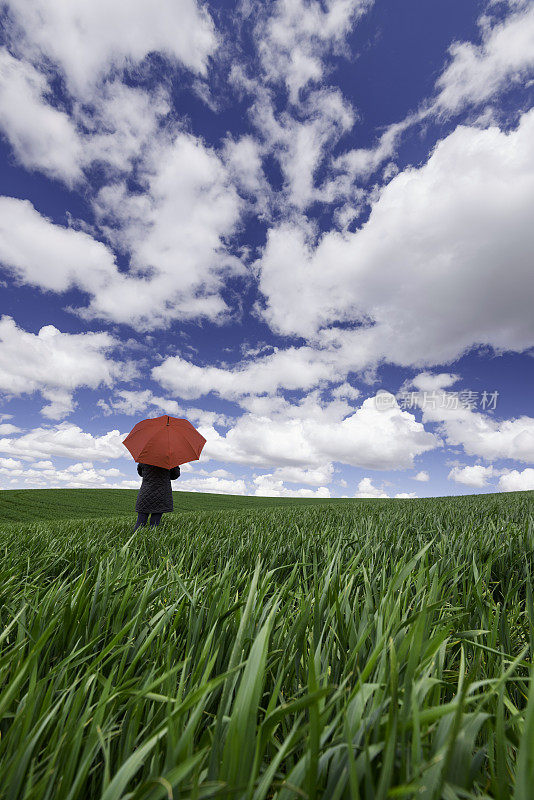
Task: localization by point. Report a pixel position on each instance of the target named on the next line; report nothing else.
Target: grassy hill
(32, 505)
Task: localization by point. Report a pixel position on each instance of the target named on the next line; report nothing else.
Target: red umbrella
(164, 442)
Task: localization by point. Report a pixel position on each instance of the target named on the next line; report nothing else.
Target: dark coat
(155, 494)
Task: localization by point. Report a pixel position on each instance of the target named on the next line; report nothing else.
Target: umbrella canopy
(164, 442)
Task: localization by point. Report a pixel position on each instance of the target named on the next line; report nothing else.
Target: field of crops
(379, 649)
(30, 505)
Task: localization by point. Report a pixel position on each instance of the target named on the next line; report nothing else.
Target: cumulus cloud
(65, 440)
(87, 41)
(10, 463)
(301, 126)
(503, 58)
(464, 241)
(295, 35)
(432, 382)
(6, 428)
(294, 368)
(103, 119)
(476, 475)
(119, 125)
(422, 476)
(213, 483)
(132, 402)
(82, 475)
(366, 488)
(40, 253)
(243, 158)
(359, 163)
(55, 364)
(270, 486)
(173, 233)
(311, 435)
(474, 74)
(172, 227)
(312, 477)
(517, 481)
(42, 136)
(346, 391)
(478, 433)
(112, 129)
(45, 474)
(301, 144)
(458, 228)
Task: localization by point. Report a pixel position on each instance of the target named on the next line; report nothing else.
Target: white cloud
(301, 142)
(215, 473)
(294, 368)
(310, 435)
(458, 228)
(317, 476)
(88, 40)
(45, 475)
(361, 162)
(366, 488)
(476, 475)
(6, 428)
(293, 40)
(480, 434)
(432, 382)
(55, 364)
(42, 136)
(113, 128)
(120, 124)
(212, 484)
(68, 441)
(131, 402)
(516, 481)
(134, 402)
(174, 232)
(346, 391)
(49, 256)
(107, 120)
(422, 476)
(10, 463)
(270, 486)
(296, 35)
(243, 158)
(300, 146)
(477, 72)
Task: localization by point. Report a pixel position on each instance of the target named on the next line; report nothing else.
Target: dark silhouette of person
(155, 495)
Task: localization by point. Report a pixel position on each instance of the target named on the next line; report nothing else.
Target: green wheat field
(253, 649)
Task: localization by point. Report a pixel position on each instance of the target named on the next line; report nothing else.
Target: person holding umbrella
(159, 446)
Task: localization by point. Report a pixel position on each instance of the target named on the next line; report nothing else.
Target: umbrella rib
(192, 448)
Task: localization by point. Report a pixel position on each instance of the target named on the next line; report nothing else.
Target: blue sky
(304, 225)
